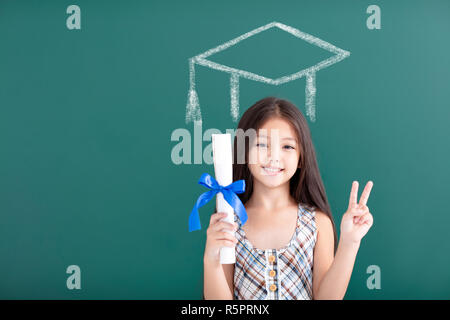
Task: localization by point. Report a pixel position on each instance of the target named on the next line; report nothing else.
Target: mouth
(272, 171)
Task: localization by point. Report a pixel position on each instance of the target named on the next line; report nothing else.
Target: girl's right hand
(217, 237)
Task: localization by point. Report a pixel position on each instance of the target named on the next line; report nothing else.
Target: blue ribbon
(229, 194)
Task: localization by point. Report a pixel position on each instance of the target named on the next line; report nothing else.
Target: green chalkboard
(88, 109)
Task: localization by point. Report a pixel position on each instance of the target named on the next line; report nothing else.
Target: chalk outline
(193, 111)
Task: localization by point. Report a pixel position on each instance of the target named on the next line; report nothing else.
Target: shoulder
(323, 250)
(322, 216)
(323, 223)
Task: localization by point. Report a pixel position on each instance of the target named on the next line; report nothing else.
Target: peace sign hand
(357, 220)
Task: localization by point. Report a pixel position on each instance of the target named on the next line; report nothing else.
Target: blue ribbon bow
(229, 194)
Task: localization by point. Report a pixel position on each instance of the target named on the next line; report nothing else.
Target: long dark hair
(306, 185)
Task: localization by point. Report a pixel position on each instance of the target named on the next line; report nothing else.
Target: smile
(272, 171)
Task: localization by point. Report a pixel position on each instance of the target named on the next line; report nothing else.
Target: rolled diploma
(223, 170)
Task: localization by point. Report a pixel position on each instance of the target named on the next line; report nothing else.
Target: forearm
(215, 283)
(335, 281)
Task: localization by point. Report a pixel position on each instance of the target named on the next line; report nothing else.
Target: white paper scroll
(223, 169)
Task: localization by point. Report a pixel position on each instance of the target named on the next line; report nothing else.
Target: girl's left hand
(357, 220)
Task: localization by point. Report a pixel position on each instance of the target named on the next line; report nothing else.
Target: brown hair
(306, 185)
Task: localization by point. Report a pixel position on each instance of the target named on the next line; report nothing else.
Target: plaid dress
(277, 274)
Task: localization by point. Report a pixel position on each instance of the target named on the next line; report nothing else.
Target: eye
(261, 145)
(289, 147)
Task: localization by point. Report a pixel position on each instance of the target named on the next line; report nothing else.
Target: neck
(268, 198)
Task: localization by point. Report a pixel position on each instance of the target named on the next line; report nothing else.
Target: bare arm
(323, 255)
(331, 275)
(218, 280)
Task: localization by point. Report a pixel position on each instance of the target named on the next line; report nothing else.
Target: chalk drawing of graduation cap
(193, 112)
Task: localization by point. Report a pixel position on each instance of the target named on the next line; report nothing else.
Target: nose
(274, 152)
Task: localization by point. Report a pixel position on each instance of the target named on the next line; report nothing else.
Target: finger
(357, 219)
(362, 219)
(227, 243)
(368, 220)
(223, 235)
(365, 194)
(363, 208)
(217, 216)
(365, 219)
(355, 212)
(223, 225)
(353, 194)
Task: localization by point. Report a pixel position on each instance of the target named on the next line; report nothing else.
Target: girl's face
(275, 153)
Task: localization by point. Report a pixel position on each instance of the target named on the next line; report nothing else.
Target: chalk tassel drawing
(193, 112)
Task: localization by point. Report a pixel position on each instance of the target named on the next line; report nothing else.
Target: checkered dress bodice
(277, 274)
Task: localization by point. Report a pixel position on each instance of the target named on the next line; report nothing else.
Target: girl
(287, 249)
